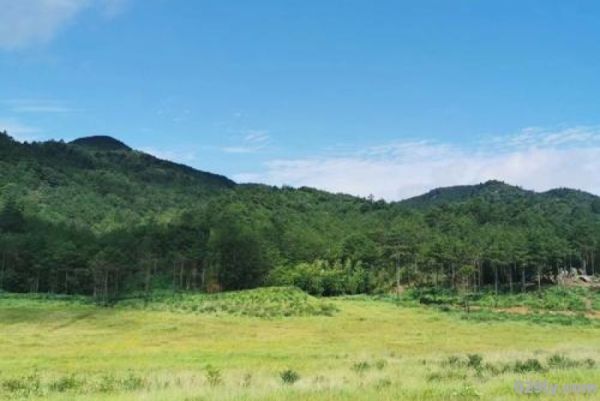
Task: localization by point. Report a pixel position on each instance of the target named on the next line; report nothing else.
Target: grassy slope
(106, 345)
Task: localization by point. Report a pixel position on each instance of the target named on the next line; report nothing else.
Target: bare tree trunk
(95, 279)
(397, 280)
(117, 280)
(3, 272)
(105, 287)
(510, 276)
(416, 269)
(496, 278)
(181, 266)
(523, 278)
(147, 280)
(195, 275)
(174, 275)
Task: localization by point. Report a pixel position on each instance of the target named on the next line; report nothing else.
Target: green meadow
(281, 344)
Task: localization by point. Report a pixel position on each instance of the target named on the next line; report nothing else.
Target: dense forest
(95, 217)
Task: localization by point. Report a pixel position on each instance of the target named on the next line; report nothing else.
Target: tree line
(230, 247)
(78, 219)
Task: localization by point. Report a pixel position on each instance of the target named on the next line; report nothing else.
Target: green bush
(289, 376)
(213, 376)
(474, 361)
(530, 365)
(453, 360)
(66, 383)
(558, 361)
(361, 367)
(324, 278)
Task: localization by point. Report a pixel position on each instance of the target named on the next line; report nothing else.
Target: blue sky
(389, 97)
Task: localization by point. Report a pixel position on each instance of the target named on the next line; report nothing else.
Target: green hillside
(95, 217)
(495, 191)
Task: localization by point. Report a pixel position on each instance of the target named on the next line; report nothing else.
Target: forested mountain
(492, 190)
(95, 217)
(100, 142)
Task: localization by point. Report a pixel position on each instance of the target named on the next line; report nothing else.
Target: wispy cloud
(534, 158)
(27, 22)
(18, 130)
(251, 141)
(175, 155)
(543, 137)
(113, 8)
(37, 106)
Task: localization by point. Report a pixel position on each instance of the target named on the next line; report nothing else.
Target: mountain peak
(492, 189)
(100, 142)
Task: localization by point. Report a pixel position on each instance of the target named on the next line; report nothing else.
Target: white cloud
(27, 22)
(18, 130)
(534, 158)
(178, 156)
(252, 141)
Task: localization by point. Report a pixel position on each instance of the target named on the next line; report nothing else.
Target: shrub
(559, 361)
(24, 386)
(324, 278)
(289, 376)
(247, 380)
(361, 367)
(132, 382)
(107, 384)
(474, 361)
(213, 376)
(530, 365)
(65, 383)
(453, 360)
(383, 383)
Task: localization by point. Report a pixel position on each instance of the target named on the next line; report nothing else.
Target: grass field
(333, 349)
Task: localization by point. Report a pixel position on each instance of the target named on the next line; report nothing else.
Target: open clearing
(366, 350)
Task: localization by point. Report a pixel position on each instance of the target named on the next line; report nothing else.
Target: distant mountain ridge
(492, 190)
(107, 148)
(94, 180)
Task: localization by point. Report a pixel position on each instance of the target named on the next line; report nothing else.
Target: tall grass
(369, 349)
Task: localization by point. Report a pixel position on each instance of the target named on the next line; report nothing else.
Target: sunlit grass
(367, 350)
